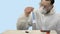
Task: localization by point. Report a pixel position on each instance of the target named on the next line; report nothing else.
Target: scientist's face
(46, 4)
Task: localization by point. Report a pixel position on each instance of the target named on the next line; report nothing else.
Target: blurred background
(10, 10)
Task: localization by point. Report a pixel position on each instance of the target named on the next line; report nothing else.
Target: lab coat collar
(51, 12)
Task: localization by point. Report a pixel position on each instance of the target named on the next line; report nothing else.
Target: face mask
(42, 10)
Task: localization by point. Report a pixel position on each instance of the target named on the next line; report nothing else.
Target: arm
(24, 22)
(58, 27)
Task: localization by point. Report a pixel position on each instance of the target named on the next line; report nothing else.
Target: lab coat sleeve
(24, 22)
(58, 27)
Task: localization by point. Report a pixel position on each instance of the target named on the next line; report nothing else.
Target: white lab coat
(49, 21)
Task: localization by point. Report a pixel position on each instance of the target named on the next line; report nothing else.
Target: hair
(52, 1)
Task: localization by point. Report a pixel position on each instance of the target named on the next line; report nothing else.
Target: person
(45, 17)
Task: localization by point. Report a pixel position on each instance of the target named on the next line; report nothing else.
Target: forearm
(23, 22)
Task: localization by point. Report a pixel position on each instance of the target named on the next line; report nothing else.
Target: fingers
(29, 9)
